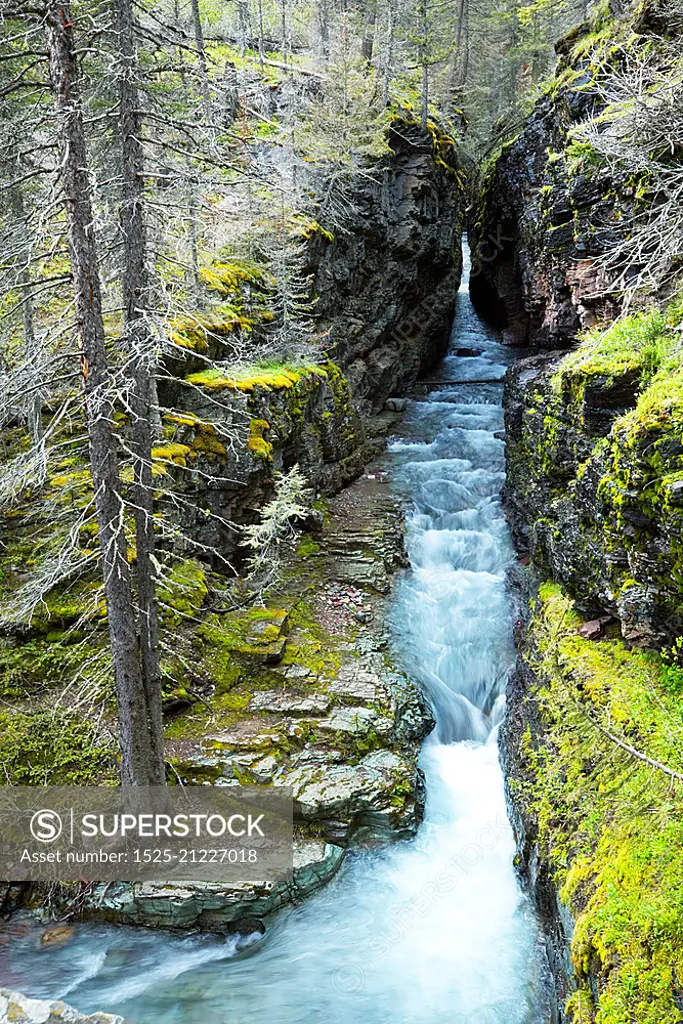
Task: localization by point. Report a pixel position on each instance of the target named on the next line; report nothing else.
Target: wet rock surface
(18, 1009)
(584, 477)
(546, 216)
(218, 908)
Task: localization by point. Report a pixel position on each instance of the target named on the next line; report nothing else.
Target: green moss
(164, 455)
(241, 642)
(268, 377)
(29, 666)
(182, 592)
(307, 547)
(259, 447)
(610, 825)
(642, 343)
(52, 748)
(201, 436)
(560, 463)
(309, 228)
(228, 278)
(196, 332)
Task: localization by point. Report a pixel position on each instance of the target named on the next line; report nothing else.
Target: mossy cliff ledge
(227, 432)
(387, 284)
(594, 729)
(595, 472)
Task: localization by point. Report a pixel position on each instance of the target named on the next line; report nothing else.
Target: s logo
(46, 826)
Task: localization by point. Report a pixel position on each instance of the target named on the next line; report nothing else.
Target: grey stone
(283, 701)
(16, 1008)
(215, 907)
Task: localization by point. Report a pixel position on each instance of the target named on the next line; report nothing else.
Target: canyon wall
(388, 281)
(594, 437)
(548, 210)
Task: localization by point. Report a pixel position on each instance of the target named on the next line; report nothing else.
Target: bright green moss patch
(166, 456)
(36, 664)
(270, 378)
(307, 547)
(52, 748)
(257, 444)
(196, 332)
(642, 342)
(610, 825)
(242, 640)
(228, 278)
(309, 228)
(182, 592)
(201, 436)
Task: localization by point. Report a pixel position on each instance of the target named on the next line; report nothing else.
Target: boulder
(19, 1009)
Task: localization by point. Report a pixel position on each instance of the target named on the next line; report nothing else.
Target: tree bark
(201, 53)
(245, 26)
(324, 26)
(389, 57)
(141, 360)
(368, 41)
(35, 399)
(134, 739)
(283, 29)
(261, 49)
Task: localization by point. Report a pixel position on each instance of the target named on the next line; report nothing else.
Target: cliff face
(386, 289)
(547, 212)
(590, 742)
(387, 284)
(594, 438)
(595, 475)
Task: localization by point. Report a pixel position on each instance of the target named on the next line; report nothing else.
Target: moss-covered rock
(593, 746)
(595, 464)
(51, 748)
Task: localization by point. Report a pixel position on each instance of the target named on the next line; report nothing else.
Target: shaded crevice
(496, 286)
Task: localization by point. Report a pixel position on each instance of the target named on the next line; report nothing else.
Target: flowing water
(430, 931)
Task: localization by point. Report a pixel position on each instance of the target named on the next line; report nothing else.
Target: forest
(341, 431)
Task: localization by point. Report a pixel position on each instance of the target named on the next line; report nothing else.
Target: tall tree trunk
(260, 34)
(35, 399)
(324, 26)
(452, 72)
(245, 26)
(192, 213)
(134, 735)
(141, 357)
(389, 56)
(424, 42)
(201, 53)
(463, 51)
(369, 32)
(283, 28)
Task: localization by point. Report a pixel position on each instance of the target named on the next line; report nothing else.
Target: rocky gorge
(299, 689)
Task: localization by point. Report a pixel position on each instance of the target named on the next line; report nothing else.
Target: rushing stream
(432, 931)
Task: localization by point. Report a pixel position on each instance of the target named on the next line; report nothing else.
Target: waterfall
(431, 931)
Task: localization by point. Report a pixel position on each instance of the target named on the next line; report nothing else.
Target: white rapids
(431, 931)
